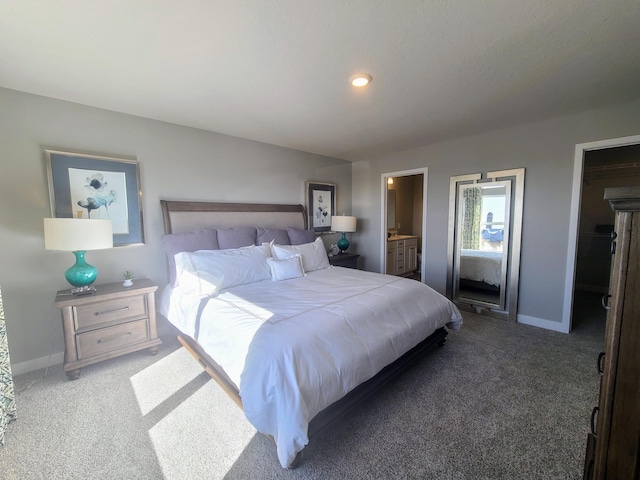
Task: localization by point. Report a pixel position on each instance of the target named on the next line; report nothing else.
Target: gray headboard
(181, 216)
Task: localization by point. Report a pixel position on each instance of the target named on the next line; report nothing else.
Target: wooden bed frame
(181, 216)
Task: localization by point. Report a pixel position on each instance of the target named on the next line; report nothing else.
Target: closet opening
(602, 168)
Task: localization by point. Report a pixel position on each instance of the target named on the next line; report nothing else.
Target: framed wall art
(321, 205)
(90, 186)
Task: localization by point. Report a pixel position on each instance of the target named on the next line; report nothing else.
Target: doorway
(598, 165)
(605, 168)
(404, 212)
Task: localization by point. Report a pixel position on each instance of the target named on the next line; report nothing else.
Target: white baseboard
(37, 363)
(542, 323)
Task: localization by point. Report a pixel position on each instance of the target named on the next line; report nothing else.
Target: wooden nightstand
(108, 323)
(349, 260)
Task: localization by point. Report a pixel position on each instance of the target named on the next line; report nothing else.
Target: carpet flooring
(499, 401)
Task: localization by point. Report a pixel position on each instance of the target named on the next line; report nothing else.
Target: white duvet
(481, 266)
(296, 346)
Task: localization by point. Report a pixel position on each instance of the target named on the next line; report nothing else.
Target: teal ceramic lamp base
(81, 275)
(343, 243)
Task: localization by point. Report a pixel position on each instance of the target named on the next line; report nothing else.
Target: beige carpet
(498, 401)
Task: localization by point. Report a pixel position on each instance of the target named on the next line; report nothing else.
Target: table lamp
(343, 224)
(78, 235)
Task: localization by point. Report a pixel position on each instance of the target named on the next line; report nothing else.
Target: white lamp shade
(73, 234)
(343, 223)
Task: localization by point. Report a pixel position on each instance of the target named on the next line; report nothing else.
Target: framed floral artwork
(321, 205)
(91, 186)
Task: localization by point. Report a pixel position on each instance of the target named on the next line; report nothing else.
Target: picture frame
(93, 186)
(321, 205)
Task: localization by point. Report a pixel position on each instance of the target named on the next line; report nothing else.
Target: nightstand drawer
(110, 338)
(109, 311)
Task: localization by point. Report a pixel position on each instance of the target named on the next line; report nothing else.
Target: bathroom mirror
(485, 221)
(391, 209)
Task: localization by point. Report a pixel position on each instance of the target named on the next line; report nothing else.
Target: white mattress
(296, 346)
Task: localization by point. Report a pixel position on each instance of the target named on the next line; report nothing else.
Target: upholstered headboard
(180, 216)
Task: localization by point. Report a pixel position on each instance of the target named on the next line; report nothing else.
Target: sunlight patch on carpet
(206, 425)
(158, 382)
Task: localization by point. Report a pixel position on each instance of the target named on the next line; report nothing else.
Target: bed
(297, 344)
(481, 268)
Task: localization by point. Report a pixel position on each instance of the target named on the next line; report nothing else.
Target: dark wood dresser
(613, 447)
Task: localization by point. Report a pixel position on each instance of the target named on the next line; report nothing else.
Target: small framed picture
(90, 186)
(321, 205)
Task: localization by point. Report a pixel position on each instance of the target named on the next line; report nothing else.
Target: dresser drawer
(107, 339)
(109, 311)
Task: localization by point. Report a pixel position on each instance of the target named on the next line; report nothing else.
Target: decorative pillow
(266, 235)
(236, 237)
(202, 239)
(314, 256)
(297, 236)
(287, 268)
(205, 272)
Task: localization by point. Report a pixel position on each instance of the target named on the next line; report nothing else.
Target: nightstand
(349, 260)
(108, 323)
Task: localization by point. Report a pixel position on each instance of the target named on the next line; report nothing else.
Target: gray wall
(175, 163)
(183, 163)
(546, 149)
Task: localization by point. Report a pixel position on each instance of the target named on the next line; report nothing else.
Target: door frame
(574, 216)
(383, 223)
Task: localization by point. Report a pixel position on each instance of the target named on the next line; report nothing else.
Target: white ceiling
(277, 71)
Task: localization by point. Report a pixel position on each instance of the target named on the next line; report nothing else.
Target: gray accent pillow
(297, 236)
(266, 235)
(201, 239)
(236, 237)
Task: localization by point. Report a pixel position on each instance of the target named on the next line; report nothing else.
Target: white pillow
(204, 272)
(287, 268)
(314, 256)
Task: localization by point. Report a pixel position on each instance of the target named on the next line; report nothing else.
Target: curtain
(7, 398)
(471, 218)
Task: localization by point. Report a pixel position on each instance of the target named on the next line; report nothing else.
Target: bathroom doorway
(404, 207)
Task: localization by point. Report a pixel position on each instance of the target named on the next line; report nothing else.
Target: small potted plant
(128, 278)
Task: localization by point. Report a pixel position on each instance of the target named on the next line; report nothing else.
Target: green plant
(128, 275)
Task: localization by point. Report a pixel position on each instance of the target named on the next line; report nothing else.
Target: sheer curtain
(7, 398)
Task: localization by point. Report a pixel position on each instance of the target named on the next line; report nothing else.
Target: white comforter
(481, 266)
(296, 346)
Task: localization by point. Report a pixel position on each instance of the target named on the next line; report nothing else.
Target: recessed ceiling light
(360, 79)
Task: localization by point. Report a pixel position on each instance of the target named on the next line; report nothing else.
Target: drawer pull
(594, 413)
(106, 312)
(113, 337)
(614, 235)
(599, 364)
(605, 302)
